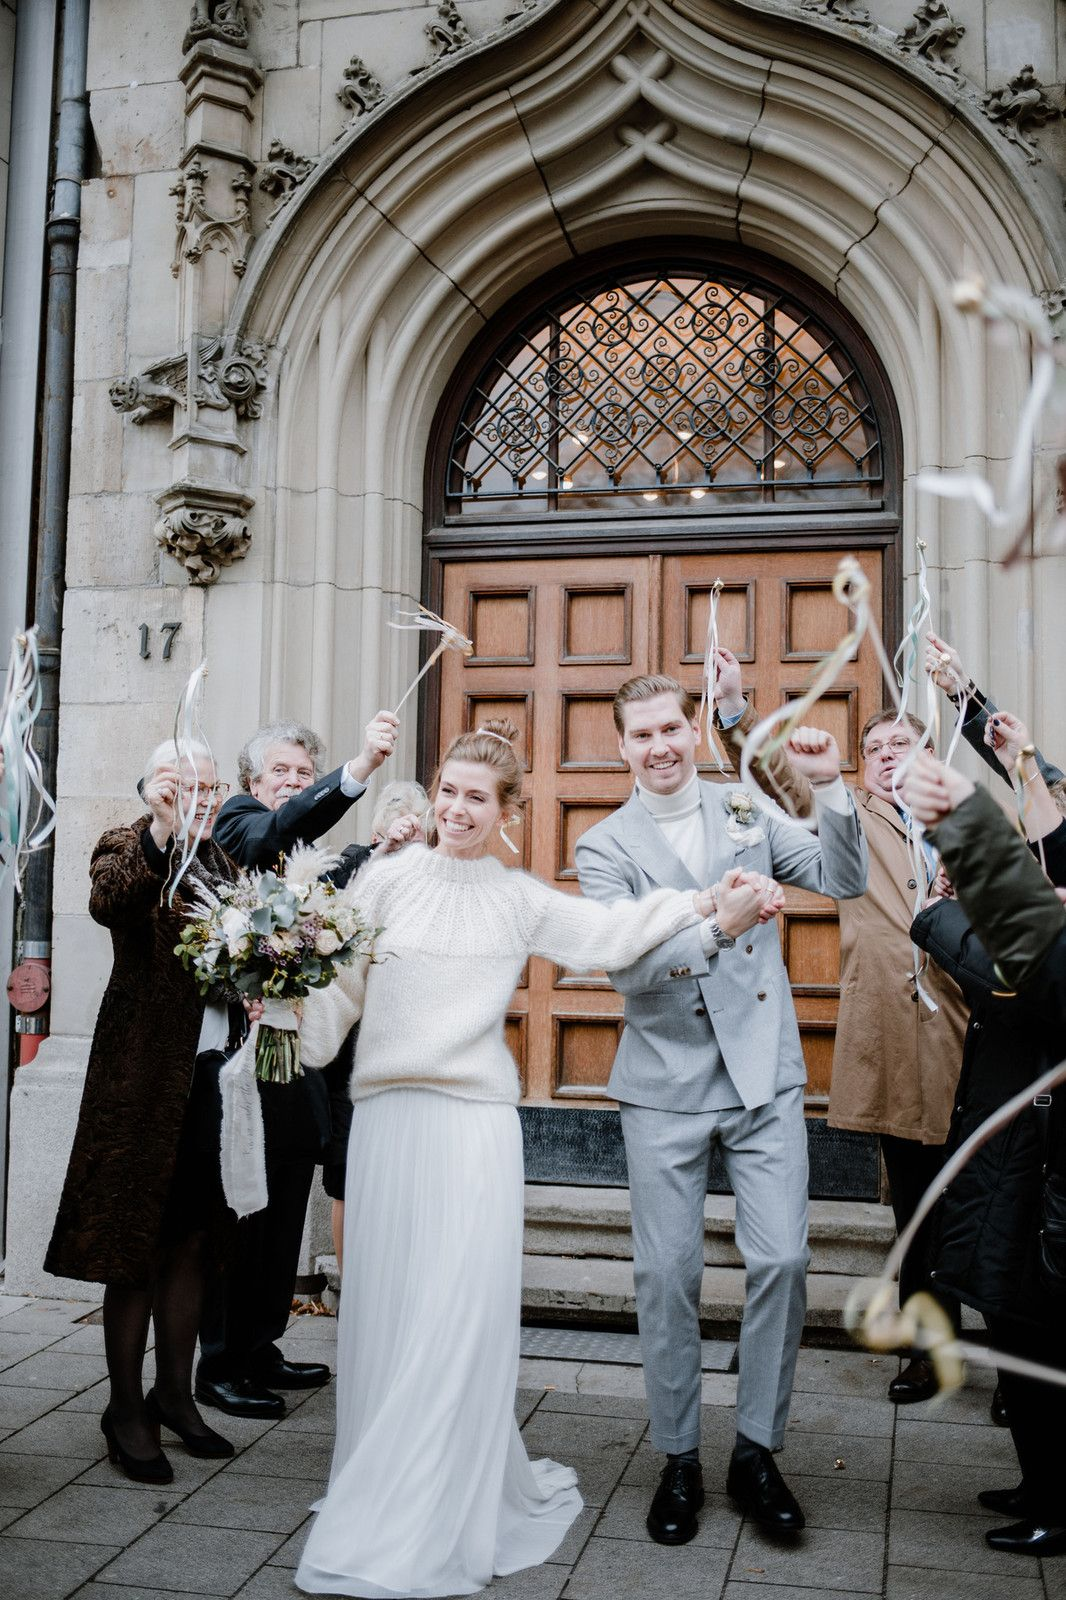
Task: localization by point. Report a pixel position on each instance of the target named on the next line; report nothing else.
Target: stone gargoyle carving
(230, 372)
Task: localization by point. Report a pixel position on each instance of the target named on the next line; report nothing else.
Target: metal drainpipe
(62, 234)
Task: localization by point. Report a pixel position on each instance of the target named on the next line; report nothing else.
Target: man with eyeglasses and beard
(896, 1063)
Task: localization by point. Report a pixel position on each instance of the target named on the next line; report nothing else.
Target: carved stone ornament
(361, 90)
(523, 10)
(151, 393)
(283, 172)
(1018, 109)
(843, 10)
(204, 528)
(217, 19)
(933, 35)
(230, 372)
(198, 230)
(448, 33)
(1053, 302)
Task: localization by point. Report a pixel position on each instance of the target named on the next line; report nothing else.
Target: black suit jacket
(256, 836)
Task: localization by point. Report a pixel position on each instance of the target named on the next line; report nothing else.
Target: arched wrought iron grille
(666, 389)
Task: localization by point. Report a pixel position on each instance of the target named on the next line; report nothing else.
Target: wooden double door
(553, 639)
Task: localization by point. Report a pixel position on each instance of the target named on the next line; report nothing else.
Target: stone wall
(7, 64)
(356, 197)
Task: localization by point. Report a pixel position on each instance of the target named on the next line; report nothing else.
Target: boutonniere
(740, 821)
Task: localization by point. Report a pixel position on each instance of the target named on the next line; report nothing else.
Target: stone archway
(577, 130)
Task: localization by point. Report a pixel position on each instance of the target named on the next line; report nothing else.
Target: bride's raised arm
(585, 935)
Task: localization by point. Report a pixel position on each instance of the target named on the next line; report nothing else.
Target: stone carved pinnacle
(1018, 109)
(933, 35)
(448, 32)
(198, 230)
(223, 20)
(361, 90)
(852, 11)
(282, 173)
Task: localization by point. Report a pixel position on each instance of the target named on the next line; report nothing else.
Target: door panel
(553, 640)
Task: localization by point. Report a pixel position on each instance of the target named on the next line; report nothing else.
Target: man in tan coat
(895, 1063)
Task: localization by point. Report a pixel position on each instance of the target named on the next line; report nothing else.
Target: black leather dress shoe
(241, 1397)
(759, 1489)
(1007, 1502)
(1028, 1539)
(672, 1518)
(917, 1381)
(998, 1409)
(282, 1374)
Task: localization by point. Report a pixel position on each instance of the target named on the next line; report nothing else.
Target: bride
(431, 1491)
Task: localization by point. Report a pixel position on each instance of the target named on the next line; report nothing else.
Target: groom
(711, 1053)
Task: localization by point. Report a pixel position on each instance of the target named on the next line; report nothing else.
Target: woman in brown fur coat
(142, 1202)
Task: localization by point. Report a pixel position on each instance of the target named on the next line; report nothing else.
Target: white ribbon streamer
(425, 621)
(243, 1145)
(188, 733)
(24, 800)
(709, 682)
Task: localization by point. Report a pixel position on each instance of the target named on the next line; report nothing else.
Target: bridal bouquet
(275, 936)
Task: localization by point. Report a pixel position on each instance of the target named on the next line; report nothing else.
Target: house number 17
(169, 630)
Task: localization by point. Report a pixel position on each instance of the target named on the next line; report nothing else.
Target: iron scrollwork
(664, 388)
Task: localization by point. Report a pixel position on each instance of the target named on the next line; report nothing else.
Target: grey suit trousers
(765, 1156)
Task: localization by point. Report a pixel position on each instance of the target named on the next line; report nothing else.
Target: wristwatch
(722, 940)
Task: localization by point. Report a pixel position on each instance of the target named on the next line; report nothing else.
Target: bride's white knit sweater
(455, 937)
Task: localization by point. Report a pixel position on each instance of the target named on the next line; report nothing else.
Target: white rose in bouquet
(237, 931)
(327, 943)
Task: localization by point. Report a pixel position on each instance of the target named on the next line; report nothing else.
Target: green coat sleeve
(1014, 910)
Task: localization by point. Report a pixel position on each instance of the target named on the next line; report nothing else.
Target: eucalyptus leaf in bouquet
(275, 936)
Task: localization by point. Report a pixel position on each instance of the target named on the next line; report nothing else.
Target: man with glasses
(895, 1062)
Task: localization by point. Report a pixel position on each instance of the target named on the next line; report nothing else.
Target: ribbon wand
(425, 621)
(188, 734)
(27, 810)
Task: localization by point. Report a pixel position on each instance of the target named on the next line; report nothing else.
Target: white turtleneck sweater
(680, 820)
(455, 937)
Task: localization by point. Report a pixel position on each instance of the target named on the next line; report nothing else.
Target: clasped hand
(740, 900)
(930, 789)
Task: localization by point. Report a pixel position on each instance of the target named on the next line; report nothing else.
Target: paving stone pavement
(889, 1495)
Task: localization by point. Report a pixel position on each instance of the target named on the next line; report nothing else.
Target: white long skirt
(431, 1491)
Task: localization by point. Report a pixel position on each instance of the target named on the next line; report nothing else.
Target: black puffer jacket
(1022, 927)
(986, 1229)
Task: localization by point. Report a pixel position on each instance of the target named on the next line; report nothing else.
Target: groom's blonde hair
(646, 688)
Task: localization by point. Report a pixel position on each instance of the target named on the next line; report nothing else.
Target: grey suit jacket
(678, 1000)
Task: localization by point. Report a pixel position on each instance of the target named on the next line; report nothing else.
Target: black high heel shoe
(154, 1469)
(208, 1443)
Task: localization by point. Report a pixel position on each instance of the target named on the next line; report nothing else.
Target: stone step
(849, 1237)
(578, 1268)
(591, 1291)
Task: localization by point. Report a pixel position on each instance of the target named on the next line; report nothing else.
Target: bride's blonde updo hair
(491, 744)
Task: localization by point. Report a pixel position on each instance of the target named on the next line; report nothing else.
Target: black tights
(174, 1304)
